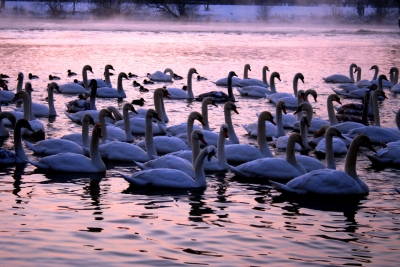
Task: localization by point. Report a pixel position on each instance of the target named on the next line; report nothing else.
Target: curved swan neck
(189, 83)
(148, 136)
(228, 120)
(199, 174)
(107, 76)
(351, 72)
(195, 148)
(20, 82)
(221, 156)
(262, 135)
(296, 83)
(189, 129)
(331, 110)
(279, 124)
(158, 105)
(19, 150)
(127, 124)
(104, 132)
(85, 77)
(246, 71)
(290, 155)
(358, 74)
(264, 74)
(329, 154)
(27, 105)
(230, 89)
(351, 158)
(28, 90)
(376, 68)
(395, 77)
(272, 82)
(120, 87)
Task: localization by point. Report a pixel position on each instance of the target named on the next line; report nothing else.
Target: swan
(204, 111)
(241, 153)
(11, 117)
(8, 157)
(71, 162)
(108, 92)
(186, 127)
(340, 78)
(332, 182)
(376, 133)
(274, 97)
(122, 151)
(76, 88)
(7, 96)
(273, 168)
(281, 142)
(255, 82)
(84, 104)
(158, 98)
(77, 117)
(235, 80)
(375, 80)
(170, 178)
(396, 85)
(112, 132)
(107, 81)
(38, 132)
(82, 138)
(220, 96)
(54, 146)
(160, 76)
(178, 93)
(330, 146)
(346, 87)
(315, 123)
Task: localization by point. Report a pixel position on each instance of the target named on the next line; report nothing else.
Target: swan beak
(235, 110)
(339, 134)
(300, 79)
(370, 147)
(134, 110)
(155, 115)
(213, 103)
(303, 96)
(16, 97)
(201, 138)
(91, 121)
(110, 115)
(201, 121)
(284, 109)
(384, 95)
(211, 154)
(226, 133)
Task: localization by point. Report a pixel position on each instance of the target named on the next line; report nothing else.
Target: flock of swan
(177, 156)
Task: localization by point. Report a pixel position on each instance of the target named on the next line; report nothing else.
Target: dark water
(64, 219)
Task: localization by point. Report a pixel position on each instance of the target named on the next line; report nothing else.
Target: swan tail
(71, 117)
(134, 181)
(378, 161)
(247, 128)
(141, 165)
(236, 171)
(30, 146)
(287, 189)
(38, 165)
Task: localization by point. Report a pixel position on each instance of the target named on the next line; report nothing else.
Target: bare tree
(56, 8)
(3, 4)
(112, 7)
(172, 8)
(264, 10)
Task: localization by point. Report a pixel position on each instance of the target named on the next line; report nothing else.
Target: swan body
(220, 96)
(54, 146)
(234, 80)
(253, 91)
(281, 142)
(255, 82)
(170, 178)
(108, 92)
(178, 93)
(186, 127)
(11, 117)
(84, 104)
(274, 97)
(19, 156)
(83, 138)
(340, 78)
(160, 76)
(329, 181)
(7, 96)
(71, 162)
(76, 88)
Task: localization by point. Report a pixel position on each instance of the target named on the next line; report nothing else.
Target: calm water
(64, 219)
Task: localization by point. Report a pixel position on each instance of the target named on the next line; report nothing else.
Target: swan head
(374, 67)
(247, 66)
(364, 141)
(198, 135)
(210, 101)
(276, 74)
(265, 68)
(93, 84)
(230, 106)
(22, 123)
(353, 65)
(304, 120)
(267, 116)
(311, 92)
(357, 69)
(281, 105)
(299, 76)
(28, 87)
(88, 68)
(123, 75)
(332, 131)
(20, 76)
(52, 86)
(297, 139)
(193, 70)
(109, 67)
(166, 93)
(211, 152)
(225, 130)
(231, 74)
(88, 118)
(19, 95)
(197, 116)
(382, 77)
(335, 97)
(128, 107)
(394, 70)
(151, 113)
(302, 94)
(97, 130)
(106, 112)
(305, 106)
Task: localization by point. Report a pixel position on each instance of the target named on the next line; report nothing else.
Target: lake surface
(69, 219)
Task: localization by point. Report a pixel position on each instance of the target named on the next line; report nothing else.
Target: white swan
(281, 142)
(83, 138)
(186, 127)
(332, 182)
(315, 123)
(274, 97)
(160, 76)
(170, 178)
(7, 96)
(19, 156)
(54, 146)
(78, 116)
(235, 80)
(178, 93)
(84, 104)
(330, 146)
(109, 92)
(220, 96)
(38, 132)
(112, 132)
(11, 117)
(340, 78)
(273, 168)
(122, 151)
(396, 85)
(241, 153)
(255, 82)
(71, 162)
(107, 81)
(76, 88)
(375, 81)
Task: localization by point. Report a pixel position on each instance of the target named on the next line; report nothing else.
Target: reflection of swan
(160, 76)
(109, 92)
(11, 117)
(235, 80)
(84, 104)
(178, 93)
(340, 78)
(332, 182)
(220, 96)
(76, 88)
(171, 178)
(82, 138)
(273, 168)
(241, 153)
(8, 157)
(256, 82)
(274, 97)
(70, 162)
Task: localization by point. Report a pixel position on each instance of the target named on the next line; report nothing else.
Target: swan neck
(221, 156)
(94, 151)
(31, 116)
(376, 73)
(272, 83)
(195, 150)
(279, 124)
(158, 105)
(262, 137)
(377, 118)
(19, 150)
(27, 107)
(127, 126)
(329, 154)
(264, 75)
(120, 87)
(291, 157)
(19, 85)
(85, 78)
(85, 133)
(304, 134)
(50, 99)
(228, 120)
(359, 75)
(230, 90)
(351, 73)
(189, 130)
(295, 85)
(104, 131)
(204, 113)
(189, 84)
(199, 174)
(331, 112)
(107, 78)
(149, 140)
(246, 72)
(351, 159)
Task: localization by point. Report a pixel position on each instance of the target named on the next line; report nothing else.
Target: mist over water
(63, 219)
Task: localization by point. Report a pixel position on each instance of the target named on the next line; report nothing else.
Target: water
(65, 219)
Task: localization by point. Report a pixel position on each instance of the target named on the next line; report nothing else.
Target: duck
(255, 82)
(235, 80)
(201, 78)
(220, 96)
(4, 133)
(18, 156)
(340, 78)
(273, 168)
(107, 74)
(83, 138)
(38, 132)
(160, 76)
(109, 92)
(135, 83)
(4, 76)
(77, 88)
(170, 178)
(139, 102)
(178, 93)
(70, 73)
(31, 76)
(275, 96)
(242, 153)
(331, 182)
(3, 84)
(53, 77)
(82, 103)
(142, 89)
(71, 162)
(131, 75)
(145, 81)
(122, 151)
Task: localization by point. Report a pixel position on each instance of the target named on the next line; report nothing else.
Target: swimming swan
(76, 88)
(178, 93)
(220, 96)
(160, 76)
(255, 82)
(83, 138)
(235, 80)
(340, 78)
(109, 92)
